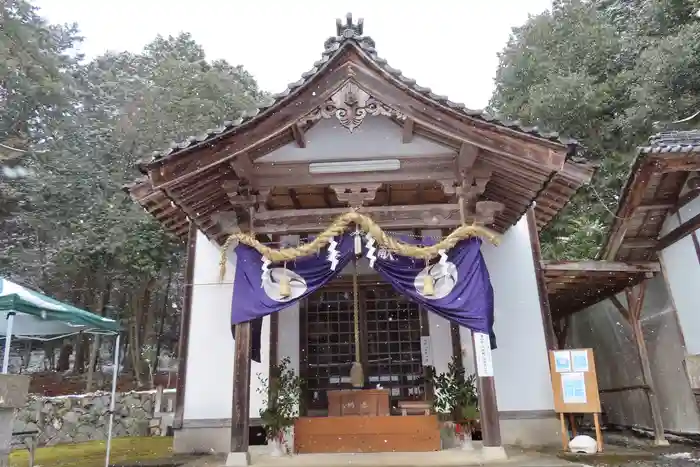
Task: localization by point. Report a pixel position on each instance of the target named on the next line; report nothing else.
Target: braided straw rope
(340, 225)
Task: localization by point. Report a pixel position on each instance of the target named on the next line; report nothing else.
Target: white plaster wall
(521, 365)
(602, 328)
(209, 387)
(682, 270)
(377, 137)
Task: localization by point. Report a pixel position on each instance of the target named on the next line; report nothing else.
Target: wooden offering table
(360, 421)
(369, 402)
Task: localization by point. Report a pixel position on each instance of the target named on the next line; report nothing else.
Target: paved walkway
(448, 458)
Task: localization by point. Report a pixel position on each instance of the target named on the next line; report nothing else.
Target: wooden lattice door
(390, 343)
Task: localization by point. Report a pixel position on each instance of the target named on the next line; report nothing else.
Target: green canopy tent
(29, 315)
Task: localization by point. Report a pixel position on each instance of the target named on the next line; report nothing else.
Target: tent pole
(8, 341)
(115, 374)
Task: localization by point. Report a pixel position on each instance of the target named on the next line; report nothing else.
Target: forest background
(71, 131)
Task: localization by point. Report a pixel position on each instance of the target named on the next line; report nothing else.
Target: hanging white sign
(426, 350)
(484, 360)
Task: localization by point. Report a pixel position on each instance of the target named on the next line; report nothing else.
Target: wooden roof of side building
(663, 178)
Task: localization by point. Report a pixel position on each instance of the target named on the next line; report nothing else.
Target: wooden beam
(620, 307)
(424, 169)
(390, 217)
(639, 243)
(407, 131)
(679, 233)
(655, 207)
(603, 266)
(466, 158)
(550, 338)
(299, 136)
(244, 168)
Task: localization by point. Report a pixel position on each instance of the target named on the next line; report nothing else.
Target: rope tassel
(428, 285)
(357, 374)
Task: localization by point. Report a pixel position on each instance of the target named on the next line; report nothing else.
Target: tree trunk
(100, 308)
(138, 329)
(64, 357)
(82, 347)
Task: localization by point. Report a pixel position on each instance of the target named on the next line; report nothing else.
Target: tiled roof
(352, 33)
(673, 141)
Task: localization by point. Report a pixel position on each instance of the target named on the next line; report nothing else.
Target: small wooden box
(370, 402)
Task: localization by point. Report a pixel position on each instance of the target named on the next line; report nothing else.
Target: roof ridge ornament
(350, 105)
(349, 30)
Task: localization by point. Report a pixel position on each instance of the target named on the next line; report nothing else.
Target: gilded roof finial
(349, 29)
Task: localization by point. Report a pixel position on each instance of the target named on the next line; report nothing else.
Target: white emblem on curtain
(444, 276)
(271, 284)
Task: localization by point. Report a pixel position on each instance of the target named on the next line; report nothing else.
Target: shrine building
(354, 137)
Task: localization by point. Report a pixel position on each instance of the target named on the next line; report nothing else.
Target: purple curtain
(256, 293)
(463, 291)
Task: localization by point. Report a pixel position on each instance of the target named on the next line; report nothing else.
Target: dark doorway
(390, 327)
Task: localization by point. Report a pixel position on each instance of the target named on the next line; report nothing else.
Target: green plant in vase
(456, 395)
(281, 399)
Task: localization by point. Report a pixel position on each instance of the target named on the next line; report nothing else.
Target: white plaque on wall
(426, 350)
(482, 349)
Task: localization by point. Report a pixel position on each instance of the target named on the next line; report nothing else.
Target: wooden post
(632, 313)
(598, 433)
(241, 389)
(488, 407)
(183, 343)
(549, 334)
(490, 424)
(240, 406)
(564, 432)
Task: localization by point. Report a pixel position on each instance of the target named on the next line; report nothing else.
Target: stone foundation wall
(68, 419)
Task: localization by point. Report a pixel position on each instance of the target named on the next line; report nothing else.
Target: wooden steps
(357, 434)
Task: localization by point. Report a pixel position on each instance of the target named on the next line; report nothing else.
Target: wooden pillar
(488, 408)
(240, 406)
(241, 389)
(490, 424)
(185, 322)
(632, 313)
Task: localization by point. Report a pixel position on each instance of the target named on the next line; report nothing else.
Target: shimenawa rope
(340, 225)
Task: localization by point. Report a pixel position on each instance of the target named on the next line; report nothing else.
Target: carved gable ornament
(350, 105)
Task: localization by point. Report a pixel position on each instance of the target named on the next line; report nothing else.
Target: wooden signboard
(575, 387)
(371, 402)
